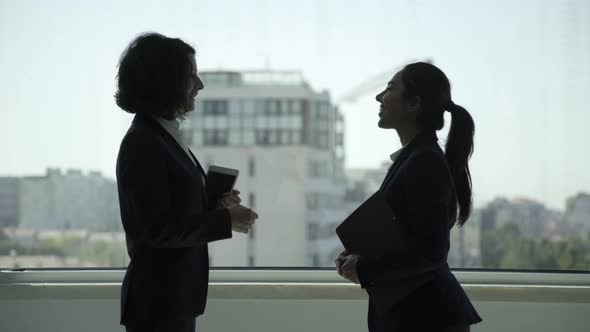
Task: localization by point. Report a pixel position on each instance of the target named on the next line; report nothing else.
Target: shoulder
(428, 165)
(427, 157)
(139, 135)
(140, 143)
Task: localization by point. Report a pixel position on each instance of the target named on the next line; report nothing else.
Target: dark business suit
(167, 227)
(420, 190)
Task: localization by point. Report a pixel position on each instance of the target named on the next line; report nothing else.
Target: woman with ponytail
(429, 192)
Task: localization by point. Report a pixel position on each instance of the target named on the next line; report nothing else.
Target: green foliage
(494, 244)
(99, 253)
(102, 253)
(505, 248)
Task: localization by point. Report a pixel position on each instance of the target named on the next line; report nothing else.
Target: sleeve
(142, 175)
(427, 188)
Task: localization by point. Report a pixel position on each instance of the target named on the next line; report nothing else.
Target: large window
(298, 103)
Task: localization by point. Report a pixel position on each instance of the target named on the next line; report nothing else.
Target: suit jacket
(167, 225)
(417, 282)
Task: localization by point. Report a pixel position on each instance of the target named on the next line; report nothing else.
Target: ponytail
(428, 82)
(458, 150)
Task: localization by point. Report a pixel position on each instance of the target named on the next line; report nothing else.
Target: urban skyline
(96, 245)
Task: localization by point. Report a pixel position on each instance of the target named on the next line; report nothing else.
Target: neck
(406, 135)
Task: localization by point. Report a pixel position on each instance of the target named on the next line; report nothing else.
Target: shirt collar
(396, 154)
(171, 126)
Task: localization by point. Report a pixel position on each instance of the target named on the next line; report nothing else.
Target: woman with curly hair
(166, 216)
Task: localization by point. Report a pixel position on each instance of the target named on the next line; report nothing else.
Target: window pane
(312, 133)
(247, 107)
(197, 138)
(261, 122)
(235, 121)
(234, 107)
(249, 137)
(235, 137)
(273, 121)
(247, 122)
(294, 122)
(221, 122)
(208, 122)
(296, 137)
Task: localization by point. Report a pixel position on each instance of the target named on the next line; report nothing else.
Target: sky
(520, 67)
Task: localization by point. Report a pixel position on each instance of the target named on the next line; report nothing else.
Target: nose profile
(200, 85)
(379, 96)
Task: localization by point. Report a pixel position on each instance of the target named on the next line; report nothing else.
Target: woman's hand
(242, 218)
(228, 200)
(348, 268)
(339, 261)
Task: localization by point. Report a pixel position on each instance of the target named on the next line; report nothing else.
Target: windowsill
(294, 275)
(294, 284)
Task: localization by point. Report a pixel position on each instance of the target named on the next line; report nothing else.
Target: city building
(69, 200)
(577, 214)
(287, 141)
(531, 217)
(9, 201)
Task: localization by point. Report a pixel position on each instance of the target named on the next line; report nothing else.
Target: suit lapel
(203, 173)
(180, 155)
(203, 176)
(391, 173)
(196, 171)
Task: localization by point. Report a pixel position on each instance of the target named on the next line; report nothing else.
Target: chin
(382, 124)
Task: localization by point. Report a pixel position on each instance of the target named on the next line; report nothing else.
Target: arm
(427, 188)
(142, 174)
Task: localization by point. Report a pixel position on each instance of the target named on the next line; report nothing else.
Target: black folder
(371, 230)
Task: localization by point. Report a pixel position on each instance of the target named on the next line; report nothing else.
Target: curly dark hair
(154, 72)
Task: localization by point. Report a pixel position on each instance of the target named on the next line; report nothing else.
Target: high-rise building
(287, 141)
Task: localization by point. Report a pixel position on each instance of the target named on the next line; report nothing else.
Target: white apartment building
(287, 141)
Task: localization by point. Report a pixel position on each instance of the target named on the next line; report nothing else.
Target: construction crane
(371, 84)
(367, 86)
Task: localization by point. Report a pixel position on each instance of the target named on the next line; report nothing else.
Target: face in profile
(394, 111)
(194, 85)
